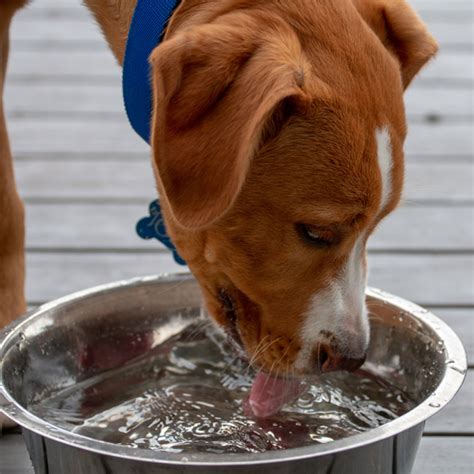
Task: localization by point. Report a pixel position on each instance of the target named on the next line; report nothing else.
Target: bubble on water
(322, 430)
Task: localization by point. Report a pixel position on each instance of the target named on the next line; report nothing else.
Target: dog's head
(278, 137)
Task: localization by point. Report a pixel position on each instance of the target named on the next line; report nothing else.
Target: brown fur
(265, 117)
(12, 301)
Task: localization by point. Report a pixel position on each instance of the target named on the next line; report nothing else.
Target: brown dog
(278, 131)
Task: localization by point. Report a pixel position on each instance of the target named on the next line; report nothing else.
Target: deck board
(449, 182)
(13, 455)
(453, 11)
(443, 455)
(450, 67)
(42, 100)
(84, 34)
(458, 417)
(86, 179)
(31, 135)
(462, 322)
(111, 226)
(421, 278)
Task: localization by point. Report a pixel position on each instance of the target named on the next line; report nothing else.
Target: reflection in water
(189, 394)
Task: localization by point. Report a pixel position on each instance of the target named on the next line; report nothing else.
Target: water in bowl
(188, 394)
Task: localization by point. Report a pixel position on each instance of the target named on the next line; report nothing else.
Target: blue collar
(146, 32)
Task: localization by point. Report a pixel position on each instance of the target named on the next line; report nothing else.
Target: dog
(277, 146)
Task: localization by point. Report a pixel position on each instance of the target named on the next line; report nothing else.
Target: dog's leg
(12, 233)
(12, 300)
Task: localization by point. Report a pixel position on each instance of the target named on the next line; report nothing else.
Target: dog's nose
(330, 359)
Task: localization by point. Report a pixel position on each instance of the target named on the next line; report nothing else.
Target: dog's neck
(114, 18)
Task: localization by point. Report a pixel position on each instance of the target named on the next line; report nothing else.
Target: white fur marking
(384, 155)
(340, 310)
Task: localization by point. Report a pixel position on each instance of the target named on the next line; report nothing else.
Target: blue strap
(146, 31)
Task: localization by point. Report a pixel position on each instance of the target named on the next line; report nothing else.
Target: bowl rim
(450, 384)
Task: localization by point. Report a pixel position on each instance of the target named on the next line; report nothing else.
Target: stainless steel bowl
(39, 352)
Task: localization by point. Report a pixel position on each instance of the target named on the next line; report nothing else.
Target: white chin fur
(338, 309)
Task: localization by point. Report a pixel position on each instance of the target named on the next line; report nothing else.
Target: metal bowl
(39, 352)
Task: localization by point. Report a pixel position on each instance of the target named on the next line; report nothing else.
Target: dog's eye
(317, 237)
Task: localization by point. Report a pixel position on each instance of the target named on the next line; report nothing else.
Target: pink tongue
(269, 394)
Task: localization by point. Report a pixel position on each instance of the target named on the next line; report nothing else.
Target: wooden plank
(446, 279)
(54, 275)
(82, 179)
(93, 135)
(86, 227)
(454, 9)
(449, 102)
(14, 457)
(462, 322)
(458, 416)
(68, 100)
(426, 228)
(111, 226)
(85, 30)
(435, 4)
(72, 10)
(442, 181)
(26, 33)
(451, 33)
(449, 66)
(133, 179)
(63, 64)
(441, 455)
(100, 135)
(440, 139)
(44, 11)
(429, 280)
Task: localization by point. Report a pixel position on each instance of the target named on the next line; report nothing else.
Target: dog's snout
(332, 358)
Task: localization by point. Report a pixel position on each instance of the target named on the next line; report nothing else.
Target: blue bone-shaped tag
(153, 227)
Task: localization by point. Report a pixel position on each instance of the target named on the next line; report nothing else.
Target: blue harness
(146, 32)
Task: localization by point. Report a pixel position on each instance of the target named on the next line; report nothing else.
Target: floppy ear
(401, 31)
(217, 89)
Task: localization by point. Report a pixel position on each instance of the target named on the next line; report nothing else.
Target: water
(190, 395)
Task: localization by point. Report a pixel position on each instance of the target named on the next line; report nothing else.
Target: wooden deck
(86, 179)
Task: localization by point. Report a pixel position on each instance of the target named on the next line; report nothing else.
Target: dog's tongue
(269, 394)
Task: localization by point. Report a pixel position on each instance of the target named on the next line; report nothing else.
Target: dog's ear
(218, 91)
(401, 31)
